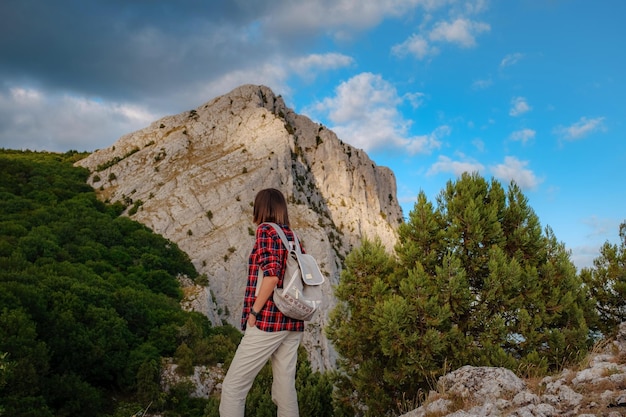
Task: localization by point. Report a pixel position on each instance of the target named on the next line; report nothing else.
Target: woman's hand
(251, 320)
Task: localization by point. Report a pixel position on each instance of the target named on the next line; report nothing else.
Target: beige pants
(256, 347)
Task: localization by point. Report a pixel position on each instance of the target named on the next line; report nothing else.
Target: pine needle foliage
(606, 282)
(474, 280)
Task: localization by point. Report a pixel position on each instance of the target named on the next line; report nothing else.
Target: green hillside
(89, 301)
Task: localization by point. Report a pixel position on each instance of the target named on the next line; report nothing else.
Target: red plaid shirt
(270, 255)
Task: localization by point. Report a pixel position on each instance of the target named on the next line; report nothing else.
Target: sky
(531, 91)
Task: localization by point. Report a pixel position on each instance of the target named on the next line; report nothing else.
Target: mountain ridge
(192, 177)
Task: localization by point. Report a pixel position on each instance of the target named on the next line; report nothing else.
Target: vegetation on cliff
(90, 303)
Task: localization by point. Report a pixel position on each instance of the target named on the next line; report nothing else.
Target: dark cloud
(120, 64)
(149, 51)
(78, 74)
(121, 48)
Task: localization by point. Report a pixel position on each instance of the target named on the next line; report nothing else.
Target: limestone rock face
(192, 178)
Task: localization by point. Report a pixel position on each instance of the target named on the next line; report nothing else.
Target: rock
(205, 380)
(557, 393)
(481, 384)
(599, 390)
(192, 178)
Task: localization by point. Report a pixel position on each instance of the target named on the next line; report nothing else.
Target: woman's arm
(267, 288)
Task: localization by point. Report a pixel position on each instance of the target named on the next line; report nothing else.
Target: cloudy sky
(525, 90)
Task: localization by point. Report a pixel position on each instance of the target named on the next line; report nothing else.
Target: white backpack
(301, 294)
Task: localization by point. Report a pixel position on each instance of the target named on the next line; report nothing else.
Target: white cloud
(476, 6)
(339, 16)
(35, 121)
(601, 231)
(581, 128)
(514, 169)
(365, 114)
(519, 106)
(601, 227)
(309, 65)
(416, 99)
(445, 164)
(416, 46)
(582, 256)
(25, 97)
(479, 144)
(482, 84)
(461, 31)
(510, 59)
(523, 135)
(425, 143)
(359, 95)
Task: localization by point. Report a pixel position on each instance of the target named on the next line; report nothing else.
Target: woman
(268, 334)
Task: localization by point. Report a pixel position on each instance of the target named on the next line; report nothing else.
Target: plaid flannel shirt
(270, 255)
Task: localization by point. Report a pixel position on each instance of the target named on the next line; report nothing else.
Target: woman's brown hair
(270, 206)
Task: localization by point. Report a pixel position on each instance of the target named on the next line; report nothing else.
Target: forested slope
(87, 297)
(90, 301)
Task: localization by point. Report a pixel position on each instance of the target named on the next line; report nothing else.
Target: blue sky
(525, 90)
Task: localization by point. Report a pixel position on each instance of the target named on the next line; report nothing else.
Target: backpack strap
(288, 245)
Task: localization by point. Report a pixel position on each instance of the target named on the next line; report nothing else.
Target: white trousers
(256, 347)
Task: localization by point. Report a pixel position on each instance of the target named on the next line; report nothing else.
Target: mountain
(192, 177)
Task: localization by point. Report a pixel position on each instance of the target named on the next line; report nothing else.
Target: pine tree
(606, 283)
(351, 323)
(475, 281)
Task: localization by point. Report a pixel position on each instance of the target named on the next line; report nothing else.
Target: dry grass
(455, 402)
(599, 348)
(536, 385)
(408, 404)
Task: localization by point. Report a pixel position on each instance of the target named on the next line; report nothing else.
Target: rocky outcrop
(598, 389)
(192, 178)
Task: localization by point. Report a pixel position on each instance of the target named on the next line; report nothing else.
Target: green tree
(474, 281)
(148, 377)
(606, 283)
(23, 393)
(314, 389)
(361, 287)
(184, 359)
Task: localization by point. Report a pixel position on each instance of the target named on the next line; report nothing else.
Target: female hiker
(268, 334)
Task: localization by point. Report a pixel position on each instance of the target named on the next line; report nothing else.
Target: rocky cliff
(192, 178)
